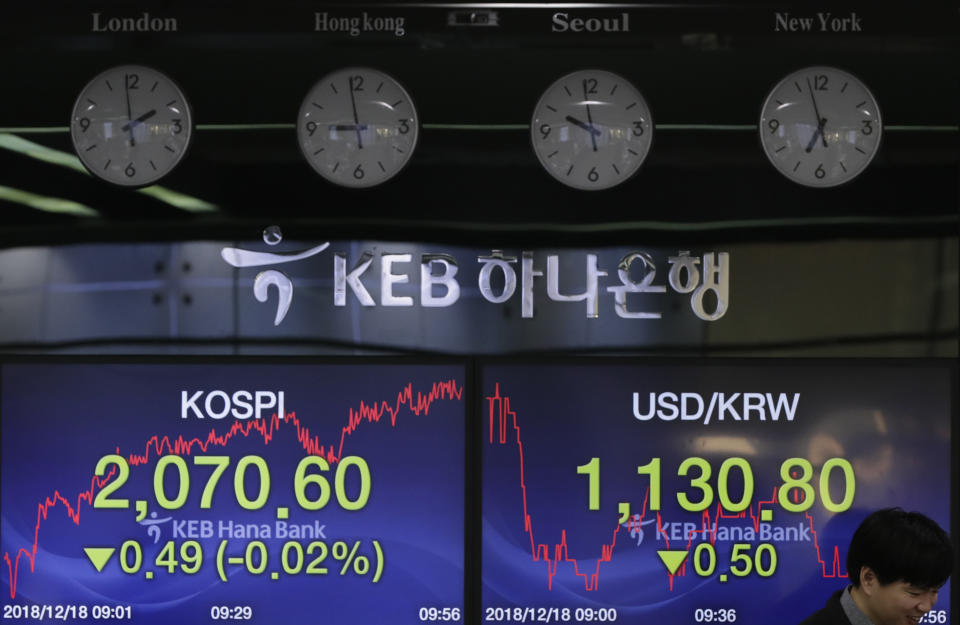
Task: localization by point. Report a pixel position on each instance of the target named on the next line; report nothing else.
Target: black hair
(899, 545)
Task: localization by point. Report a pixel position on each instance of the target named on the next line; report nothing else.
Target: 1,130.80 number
(796, 474)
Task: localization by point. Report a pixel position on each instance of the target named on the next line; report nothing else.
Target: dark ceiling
(704, 70)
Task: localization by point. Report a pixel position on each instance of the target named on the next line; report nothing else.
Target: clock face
(357, 127)
(131, 125)
(820, 127)
(591, 129)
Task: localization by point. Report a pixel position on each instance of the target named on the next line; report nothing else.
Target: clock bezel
(190, 127)
(643, 158)
(847, 179)
(306, 101)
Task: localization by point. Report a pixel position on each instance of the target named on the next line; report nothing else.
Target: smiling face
(897, 603)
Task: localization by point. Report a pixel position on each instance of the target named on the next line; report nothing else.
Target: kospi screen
(260, 492)
(717, 492)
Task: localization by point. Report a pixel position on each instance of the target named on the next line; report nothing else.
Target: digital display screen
(716, 492)
(264, 492)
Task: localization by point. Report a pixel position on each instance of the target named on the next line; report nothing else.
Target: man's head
(897, 563)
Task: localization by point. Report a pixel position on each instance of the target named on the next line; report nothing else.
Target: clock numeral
(589, 86)
(84, 124)
(358, 173)
(593, 175)
(356, 83)
(311, 127)
(404, 126)
(867, 127)
(177, 126)
(132, 81)
(819, 172)
(130, 171)
(545, 130)
(638, 129)
(820, 82)
(773, 124)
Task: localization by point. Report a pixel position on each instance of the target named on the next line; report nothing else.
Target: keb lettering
(193, 528)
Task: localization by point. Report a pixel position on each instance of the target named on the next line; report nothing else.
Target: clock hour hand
(818, 133)
(589, 128)
(129, 125)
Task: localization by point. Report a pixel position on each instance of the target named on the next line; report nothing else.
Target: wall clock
(131, 125)
(820, 126)
(357, 127)
(591, 129)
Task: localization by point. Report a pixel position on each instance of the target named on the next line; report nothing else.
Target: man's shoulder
(830, 614)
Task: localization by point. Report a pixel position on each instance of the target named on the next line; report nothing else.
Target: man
(897, 563)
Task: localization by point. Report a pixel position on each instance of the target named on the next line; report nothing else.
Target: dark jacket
(830, 614)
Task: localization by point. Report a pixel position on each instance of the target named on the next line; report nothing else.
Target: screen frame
(473, 369)
(949, 365)
(471, 522)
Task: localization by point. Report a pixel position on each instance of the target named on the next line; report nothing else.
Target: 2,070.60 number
(301, 481)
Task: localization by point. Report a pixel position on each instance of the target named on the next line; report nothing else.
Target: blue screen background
(891, 422)
(58, 419)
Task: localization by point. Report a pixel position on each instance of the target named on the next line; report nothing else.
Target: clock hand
(820, 120)
(126, 90)
(576, 122)
(348, 126)
(593, 137)
(139, 120)
(356, 121)
(819, 133)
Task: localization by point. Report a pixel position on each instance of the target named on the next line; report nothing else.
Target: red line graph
(503, 420)
(156, 446)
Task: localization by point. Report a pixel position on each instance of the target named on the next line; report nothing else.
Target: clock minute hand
(356, 121)
(139, 120)
(593, 137)
(820, 120)
(126, 90)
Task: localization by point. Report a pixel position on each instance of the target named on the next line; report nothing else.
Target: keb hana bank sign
(637, 283)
